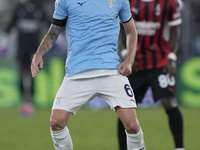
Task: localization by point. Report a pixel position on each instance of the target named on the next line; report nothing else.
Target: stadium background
(48, 82)
(188, 73)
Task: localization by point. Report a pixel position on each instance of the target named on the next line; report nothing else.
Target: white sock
(135, 141)
(179, 149)
(62, 139)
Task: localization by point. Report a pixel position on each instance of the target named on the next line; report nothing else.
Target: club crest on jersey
(157, 10)
(110, 3)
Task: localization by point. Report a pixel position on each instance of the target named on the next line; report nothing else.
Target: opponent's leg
(121, 136)
(134, 132)
(59, 131)
(175, 120)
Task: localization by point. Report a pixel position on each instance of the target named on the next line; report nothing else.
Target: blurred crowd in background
(23, 24)
(190, 33)
(10, 28)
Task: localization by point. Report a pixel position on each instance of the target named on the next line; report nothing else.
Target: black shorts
(162, 85)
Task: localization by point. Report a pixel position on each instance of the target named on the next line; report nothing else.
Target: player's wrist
(38, 53)
(172, 56)
(129, 60)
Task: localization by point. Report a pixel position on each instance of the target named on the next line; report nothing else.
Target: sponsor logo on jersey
(147, 28)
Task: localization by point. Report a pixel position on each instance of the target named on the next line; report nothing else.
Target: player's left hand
(125, 68)
(170, 67)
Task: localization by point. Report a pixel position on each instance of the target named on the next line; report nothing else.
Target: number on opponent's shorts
(165, 80)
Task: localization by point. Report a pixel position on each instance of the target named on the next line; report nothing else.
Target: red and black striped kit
(152, 19)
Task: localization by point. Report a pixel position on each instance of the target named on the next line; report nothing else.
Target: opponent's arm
(174, 38)
(46, 44)
(173, 43)
(125, 68)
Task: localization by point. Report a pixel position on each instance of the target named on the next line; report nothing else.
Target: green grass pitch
(94, 130)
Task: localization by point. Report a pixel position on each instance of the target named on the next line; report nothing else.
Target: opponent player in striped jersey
(93, 67)
(157, 23)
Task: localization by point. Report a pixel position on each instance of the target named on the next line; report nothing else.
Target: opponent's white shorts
(74, 93)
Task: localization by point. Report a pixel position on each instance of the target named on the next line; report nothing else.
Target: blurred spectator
(195, 5)
(27, 19)
(6, 6)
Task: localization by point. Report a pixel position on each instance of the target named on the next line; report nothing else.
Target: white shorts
(74, 93)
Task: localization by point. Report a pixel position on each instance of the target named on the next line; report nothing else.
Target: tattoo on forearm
(49, 39)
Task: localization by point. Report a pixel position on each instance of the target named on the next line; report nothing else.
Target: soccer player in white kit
(93, 67)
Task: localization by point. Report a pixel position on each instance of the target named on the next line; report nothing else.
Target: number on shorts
(128, 90)
(165, 80)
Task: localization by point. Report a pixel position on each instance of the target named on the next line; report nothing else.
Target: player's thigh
(73, 94)
(116, 90)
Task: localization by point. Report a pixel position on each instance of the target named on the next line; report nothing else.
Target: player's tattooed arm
(49, 39)
(46, 44)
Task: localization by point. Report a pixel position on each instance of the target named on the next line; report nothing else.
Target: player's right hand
(125, 68)
(36, 65)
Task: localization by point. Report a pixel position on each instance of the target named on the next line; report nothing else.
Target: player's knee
(132, 127)
(56, 124)
(169, 103)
